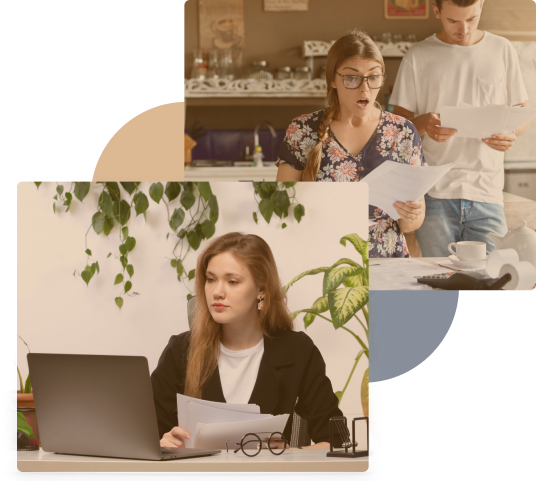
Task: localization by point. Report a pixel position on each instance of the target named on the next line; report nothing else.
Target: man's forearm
(419, 122)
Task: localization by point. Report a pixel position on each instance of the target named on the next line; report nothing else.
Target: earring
(261, 303)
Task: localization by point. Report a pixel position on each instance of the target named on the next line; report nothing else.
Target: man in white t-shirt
(460, 64)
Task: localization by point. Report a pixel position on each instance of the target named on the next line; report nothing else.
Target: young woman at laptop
(242, 347)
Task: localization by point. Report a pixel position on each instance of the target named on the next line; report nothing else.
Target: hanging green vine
(276, 198)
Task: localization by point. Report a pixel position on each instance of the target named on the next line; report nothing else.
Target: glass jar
(199, 67)
(259, 71)
(284, 73)
(302, 73)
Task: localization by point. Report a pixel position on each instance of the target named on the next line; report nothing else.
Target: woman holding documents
(353, 136)
(242, 348)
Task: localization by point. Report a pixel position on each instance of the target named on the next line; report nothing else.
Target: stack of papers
(483, 122)
(392, 181)
(211, 424)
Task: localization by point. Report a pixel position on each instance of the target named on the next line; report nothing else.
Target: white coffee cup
(469, 250)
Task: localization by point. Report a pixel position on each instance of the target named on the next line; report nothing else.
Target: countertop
(258, 174)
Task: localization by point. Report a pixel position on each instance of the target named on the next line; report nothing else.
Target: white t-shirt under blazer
(434, 74)
(238, 372)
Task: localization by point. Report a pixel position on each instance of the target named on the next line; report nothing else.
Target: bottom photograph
(219, 327)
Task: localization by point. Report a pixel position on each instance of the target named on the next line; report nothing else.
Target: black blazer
(291, 369)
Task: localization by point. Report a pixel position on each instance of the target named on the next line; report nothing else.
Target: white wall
(58, 313)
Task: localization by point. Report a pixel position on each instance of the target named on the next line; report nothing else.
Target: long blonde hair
(354, 44)
(274, 318)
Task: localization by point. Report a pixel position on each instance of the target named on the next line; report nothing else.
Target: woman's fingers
(409, 211)
(172, 439)
(178, 431)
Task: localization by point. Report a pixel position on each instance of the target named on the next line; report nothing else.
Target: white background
(57, 313)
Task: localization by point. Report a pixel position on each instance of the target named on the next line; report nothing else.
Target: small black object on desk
(465, 281)
(339, 424)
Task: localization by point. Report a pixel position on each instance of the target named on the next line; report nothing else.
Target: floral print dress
(395, 139)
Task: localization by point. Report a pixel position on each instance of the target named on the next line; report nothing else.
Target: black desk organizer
(340, 424)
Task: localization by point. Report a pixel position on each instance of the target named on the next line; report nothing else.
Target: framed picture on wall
(286, 5)
(221, 24)
(407, 9)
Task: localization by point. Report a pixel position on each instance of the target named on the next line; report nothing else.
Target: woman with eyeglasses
(242, 348)
(352, 136)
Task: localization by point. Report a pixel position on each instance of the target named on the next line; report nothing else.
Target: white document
(198, 415)
(393, 181)
(214, 436)
(483, 122)
(182, 412)
(400, 274)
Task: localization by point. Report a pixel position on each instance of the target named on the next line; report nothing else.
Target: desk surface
(292, 460)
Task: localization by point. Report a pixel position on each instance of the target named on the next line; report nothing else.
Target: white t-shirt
(238, 372)
(434, 74)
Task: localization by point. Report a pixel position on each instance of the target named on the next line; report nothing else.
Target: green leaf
(97, 221)
(208, 229)
(119, 302)
(124, 231)
(88, 252)
(124, 261)
(123, 249)
(68, 200)
(336, 276)
(345, 302)
(173, 189)
(38, 184)
(193, 240)
(106, 203)
(266, 209)
(130, 270)
(189, 296)
(130, 243)
(174, 263)
(199, 231)
(81, 190)
(156, 191)
(311, 272)
(357, 281)
(187, 199)
(177, 218)
(281, 200)
(299, 212)
(204, 190)
(24, 426)
(141, 203)
(109, 254)
(124, 212)
(128, 286)
(214, 209)
(130, 186)
(113, 190)
(360, 245)
(255, 218)
(108, 225)
(180, 268)
(339, 395)
(118, 279)
(181, 234)
(289, 184)
(319, 306)
(283, 226)
(54, 207)
(191, 274)
(268, 186)
(97, 266)
(86, 276)
(59, 189)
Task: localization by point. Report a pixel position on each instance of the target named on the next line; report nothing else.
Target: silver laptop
(98, 406)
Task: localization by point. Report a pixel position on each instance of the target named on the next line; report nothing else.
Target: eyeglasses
(251, 444)
(355, 81)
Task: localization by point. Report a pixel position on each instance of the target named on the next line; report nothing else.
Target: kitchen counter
(518, 208)
(230, 174)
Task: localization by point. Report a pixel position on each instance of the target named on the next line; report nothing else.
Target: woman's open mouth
(363, 103)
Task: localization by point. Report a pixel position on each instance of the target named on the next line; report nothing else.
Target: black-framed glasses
(251, 444)
(355, 81)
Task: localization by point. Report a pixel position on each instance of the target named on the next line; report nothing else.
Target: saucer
(468, 264)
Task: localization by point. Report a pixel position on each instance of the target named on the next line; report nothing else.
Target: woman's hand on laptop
(173, 438)
(502, 143)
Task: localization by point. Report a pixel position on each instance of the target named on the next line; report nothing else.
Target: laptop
(98, 406)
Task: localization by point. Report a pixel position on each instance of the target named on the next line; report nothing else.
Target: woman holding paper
(242, 348)
(353, 136)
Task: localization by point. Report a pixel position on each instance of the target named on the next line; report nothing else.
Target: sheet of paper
(199, 414)
(483, 122)
(214, 436)
(182, 411)
(400, 274)
(393, 181)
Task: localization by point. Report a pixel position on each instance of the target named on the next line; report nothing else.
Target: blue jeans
(454, 220)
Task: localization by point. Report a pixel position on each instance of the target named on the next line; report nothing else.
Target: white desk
(292, 460)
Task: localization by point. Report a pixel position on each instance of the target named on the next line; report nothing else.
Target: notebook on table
(98, 406)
